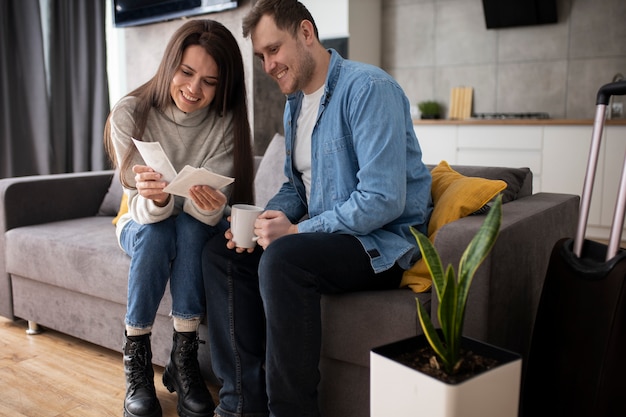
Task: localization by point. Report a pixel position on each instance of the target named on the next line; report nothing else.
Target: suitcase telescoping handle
(604, 95)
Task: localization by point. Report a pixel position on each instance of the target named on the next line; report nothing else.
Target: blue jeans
(167, 250)
(265, 322)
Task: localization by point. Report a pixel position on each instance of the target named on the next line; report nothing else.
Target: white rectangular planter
(400, 391)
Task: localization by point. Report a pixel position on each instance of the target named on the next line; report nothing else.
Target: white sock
(186, 325)
(135, 331)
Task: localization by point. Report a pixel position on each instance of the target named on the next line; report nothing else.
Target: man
(340, 223)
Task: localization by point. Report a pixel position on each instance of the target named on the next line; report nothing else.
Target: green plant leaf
(429, 107)
(431, 333)
(447, 304)
(452, 293)
(475, 253)
(483, 241)
(431, 259)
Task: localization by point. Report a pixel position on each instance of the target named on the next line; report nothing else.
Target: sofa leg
(33, 328)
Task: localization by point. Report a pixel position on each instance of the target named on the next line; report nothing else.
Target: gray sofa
(60, 266)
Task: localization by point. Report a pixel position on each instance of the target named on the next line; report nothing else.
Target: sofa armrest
(40, 199)
(506, 289)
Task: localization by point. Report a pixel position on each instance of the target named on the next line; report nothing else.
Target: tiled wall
(430, 46)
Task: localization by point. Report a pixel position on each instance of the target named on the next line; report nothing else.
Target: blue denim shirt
(368, 178)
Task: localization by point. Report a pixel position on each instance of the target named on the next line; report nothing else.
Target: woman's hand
(207, 198)
(149, 184)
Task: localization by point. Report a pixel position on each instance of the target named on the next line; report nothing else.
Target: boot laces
(136, 365)
(190, 370)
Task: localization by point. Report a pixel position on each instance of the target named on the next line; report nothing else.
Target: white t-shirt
(302, 147)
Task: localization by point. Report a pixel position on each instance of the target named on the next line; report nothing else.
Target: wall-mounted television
(142, 12)
(510, 13)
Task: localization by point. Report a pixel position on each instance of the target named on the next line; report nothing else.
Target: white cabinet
(502, 146)
(565, 157)
(438, 143)
(485, 145)
(557, 155)
(615, 150)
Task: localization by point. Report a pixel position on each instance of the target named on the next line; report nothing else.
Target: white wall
(357, 20)
(116, 59)
(331, 17)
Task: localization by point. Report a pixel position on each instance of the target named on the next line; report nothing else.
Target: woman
(195, 107)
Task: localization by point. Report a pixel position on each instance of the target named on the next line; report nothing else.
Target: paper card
(190, 176)
(154, 156)
(179, 184)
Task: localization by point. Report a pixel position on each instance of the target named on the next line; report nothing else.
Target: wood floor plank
(27, 393)
(56, 375)
(8, 411)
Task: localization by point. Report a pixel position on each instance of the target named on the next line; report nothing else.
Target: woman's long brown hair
(230, 96)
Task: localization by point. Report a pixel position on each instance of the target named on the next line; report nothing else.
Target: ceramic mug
(242, 217)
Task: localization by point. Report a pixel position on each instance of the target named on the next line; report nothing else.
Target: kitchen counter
(521, 122)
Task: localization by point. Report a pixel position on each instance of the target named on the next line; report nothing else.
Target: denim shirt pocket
(337, 156)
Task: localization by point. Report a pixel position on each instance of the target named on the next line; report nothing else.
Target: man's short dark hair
(287, 14)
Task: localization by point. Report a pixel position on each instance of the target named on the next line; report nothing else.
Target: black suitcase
(577, 360)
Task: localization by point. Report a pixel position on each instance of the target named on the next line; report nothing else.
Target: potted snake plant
(442, 373)
(429, 109)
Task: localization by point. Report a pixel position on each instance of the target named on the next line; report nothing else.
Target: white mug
(242, 217)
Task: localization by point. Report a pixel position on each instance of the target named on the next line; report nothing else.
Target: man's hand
(269, 226)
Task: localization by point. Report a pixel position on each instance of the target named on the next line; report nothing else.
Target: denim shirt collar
(334, 69)
(332, 78)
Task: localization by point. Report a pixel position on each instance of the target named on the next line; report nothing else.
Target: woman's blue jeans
(264, 317)
(167, 250)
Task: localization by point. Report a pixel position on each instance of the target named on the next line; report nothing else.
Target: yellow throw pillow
(122, 210)
(454, 196)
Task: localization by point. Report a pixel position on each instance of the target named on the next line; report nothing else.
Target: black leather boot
(182, 374)
(141, 399)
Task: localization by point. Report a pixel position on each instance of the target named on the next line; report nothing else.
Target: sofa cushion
(269, 175)
(514, 178)
(80, 255)
(123, 209)
(519, 180)
(111, 202)
(454, 196)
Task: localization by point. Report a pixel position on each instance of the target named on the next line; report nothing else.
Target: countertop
(520, 122)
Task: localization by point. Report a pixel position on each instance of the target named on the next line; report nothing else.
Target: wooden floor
(55, 375)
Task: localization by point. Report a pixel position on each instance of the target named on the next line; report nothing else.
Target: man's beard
(305, 70)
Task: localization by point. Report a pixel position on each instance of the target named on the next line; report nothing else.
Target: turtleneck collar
(181, 118)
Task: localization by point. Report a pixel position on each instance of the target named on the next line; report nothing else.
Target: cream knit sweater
(200, 139)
